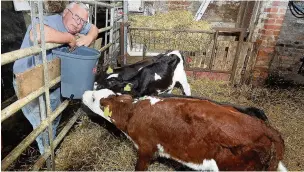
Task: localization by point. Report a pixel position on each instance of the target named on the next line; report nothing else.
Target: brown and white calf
(197, 133)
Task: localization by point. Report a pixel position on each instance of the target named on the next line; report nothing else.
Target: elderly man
(58, 29)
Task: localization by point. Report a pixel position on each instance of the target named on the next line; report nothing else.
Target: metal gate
(111, 50)
(221, 51)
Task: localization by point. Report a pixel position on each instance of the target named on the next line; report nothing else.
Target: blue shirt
(53, 21)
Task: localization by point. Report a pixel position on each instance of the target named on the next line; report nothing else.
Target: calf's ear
(109, 70)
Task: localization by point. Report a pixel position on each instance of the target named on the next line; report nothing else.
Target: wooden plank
(250, 64)
(231, 55)
(201, 57)
(206, 62)
(225, 54)
(240, 65)
(33, 79)
(220, 55)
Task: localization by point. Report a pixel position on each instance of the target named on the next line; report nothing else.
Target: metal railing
(191, 42)
(50, 116)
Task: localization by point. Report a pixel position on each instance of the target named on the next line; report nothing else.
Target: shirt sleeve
(49, 21)
(85, 30)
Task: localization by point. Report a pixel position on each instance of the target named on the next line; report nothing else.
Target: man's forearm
(93, 33)
(52, 35)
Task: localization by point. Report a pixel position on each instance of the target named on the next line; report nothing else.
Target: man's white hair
(82, 5)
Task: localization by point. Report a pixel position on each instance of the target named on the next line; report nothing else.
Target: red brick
(282, 11)
(262, 62)
(271, 43)
(185, 3)
(267, 49)
(276, 33)
(270, 21)
(264, 43)
(259, 42)
(275, 16)
(279, 21)
(263, 54)
(267, 9)
(263, 75)
(260, 69)
(189, 73)
(212, 76)
(268, 33)
(274, 10)
(272, 27)
(265, 37)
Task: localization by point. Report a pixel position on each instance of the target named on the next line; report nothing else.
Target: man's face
(74, 19)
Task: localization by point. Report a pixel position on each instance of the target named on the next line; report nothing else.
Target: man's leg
(55, 102)
(32, 112)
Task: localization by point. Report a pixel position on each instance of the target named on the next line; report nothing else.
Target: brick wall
(179, 5)
(290, 45)
(272, 14)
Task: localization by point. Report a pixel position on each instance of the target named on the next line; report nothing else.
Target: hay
(91, 147)
(179, 20)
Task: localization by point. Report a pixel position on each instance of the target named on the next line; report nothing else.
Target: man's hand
(72, 41)
(85, 40)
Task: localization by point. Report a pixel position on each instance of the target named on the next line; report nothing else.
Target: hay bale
(179, 20)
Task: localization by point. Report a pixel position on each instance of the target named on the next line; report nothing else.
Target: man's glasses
(78, 19)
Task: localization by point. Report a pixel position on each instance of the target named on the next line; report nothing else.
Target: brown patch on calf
(192, 130)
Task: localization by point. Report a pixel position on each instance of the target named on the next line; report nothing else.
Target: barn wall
(290, 45)
(267, 29)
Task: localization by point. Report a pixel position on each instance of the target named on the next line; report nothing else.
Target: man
(57, 29)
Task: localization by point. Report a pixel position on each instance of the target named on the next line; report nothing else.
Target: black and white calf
(149, 77)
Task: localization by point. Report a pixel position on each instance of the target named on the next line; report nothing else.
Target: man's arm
(53, 36)
(86, 40)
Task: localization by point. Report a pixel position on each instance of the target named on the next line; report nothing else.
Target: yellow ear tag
(110, 70)
(127, 87)
(107, 112)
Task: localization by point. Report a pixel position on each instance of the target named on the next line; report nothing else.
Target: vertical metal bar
(149, 32)
(125, 17)
(106, 32)
(213, 50)
(115, 33)
(33, 16)
(111, 34)
(46, 80)
(37, 59)
(95, 14)
(237, 54)
(91, 13)
(122, 55)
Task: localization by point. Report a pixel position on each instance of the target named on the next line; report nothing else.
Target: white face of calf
(92, 100)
